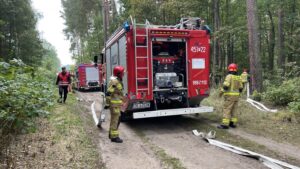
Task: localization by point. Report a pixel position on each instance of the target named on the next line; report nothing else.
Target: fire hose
(267, 161)
(98, 121)
(256, 104)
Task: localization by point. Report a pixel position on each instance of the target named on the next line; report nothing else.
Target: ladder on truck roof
(137, 58)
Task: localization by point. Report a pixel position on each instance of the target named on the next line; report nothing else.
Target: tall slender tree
(255, 61)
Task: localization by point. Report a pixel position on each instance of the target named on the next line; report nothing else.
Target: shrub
(295, 107)
(288, 93)
(256, 96)
(24, 95)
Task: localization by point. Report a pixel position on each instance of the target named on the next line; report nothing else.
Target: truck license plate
(141, 105)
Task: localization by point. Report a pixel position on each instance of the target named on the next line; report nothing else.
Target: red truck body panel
(147, 68)
(88, 77)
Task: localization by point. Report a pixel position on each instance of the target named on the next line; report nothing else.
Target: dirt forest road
(160, 143)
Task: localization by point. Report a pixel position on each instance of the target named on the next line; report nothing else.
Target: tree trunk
(215, 39)
(271, 45)
(255, 63)
(281, 57)
(291, 54)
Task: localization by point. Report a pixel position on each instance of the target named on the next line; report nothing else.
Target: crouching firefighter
(232, 88)
(115, 100)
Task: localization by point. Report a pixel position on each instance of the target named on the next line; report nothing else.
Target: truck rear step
(172, 112)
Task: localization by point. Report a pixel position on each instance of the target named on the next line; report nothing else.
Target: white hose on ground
(256, 104)
(267, 161)
(94, 113)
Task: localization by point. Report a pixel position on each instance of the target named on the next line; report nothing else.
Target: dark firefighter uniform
(115, 101)
(63, 80)
(232, 88)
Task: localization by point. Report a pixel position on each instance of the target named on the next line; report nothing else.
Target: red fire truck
(167, 67)
(88, 76)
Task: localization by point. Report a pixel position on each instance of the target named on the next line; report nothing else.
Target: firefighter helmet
(232, 67)
(119, 71)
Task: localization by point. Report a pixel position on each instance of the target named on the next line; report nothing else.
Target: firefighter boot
(117, 140)
(231, 124)
(222, 126)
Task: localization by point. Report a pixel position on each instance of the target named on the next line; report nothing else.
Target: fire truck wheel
(125, 117)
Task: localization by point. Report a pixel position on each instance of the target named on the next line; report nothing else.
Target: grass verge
(71, 137)
(281, 126)
(60, 141)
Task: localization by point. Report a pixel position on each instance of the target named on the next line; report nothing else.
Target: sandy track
(167, 134)
(131, 154)
(189, 149)
(283, 148)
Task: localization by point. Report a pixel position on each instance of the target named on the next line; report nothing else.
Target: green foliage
(288, 93)
(295, 106)
(83, 28)
(18, 35)
(24, 95)
(256, 96)
(50, 63)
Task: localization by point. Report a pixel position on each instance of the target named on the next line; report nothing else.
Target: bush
(24, 95)
(286, 94)
(295, 107)
(256, 96)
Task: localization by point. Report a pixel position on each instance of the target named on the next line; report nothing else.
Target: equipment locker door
(198, 65)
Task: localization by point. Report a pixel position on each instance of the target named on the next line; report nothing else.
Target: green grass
(69, 133)
(281, 126)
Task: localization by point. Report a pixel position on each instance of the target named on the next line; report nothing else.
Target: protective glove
(221, 92)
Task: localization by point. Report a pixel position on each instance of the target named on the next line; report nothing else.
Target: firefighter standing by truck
(115, 101)
(232, 88)
(63, 80)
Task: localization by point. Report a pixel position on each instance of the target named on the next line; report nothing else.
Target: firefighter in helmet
(232, 87)
(115, 98)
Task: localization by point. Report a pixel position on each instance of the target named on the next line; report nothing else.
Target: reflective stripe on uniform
(234, 120)
(225, 121)
(116, 101)
(231, 94)
(114, 133)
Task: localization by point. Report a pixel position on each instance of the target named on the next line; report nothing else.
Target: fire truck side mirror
(95, 60)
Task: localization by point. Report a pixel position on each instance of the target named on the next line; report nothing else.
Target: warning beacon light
(126, 26)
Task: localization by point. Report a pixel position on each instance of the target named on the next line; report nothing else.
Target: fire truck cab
(167, 67)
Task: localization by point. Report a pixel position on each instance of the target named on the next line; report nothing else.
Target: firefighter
(232, 87)
(115, 99)
(245, 77)
(63, 81)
